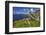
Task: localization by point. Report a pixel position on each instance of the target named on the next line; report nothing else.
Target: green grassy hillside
(21, 23)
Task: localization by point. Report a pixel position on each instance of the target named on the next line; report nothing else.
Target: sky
(23, 10)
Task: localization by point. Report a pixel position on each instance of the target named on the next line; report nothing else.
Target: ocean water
(20, 16)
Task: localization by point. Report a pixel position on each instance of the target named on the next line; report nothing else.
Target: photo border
(7, 17)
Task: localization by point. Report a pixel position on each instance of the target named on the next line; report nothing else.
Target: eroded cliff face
(35, 15)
